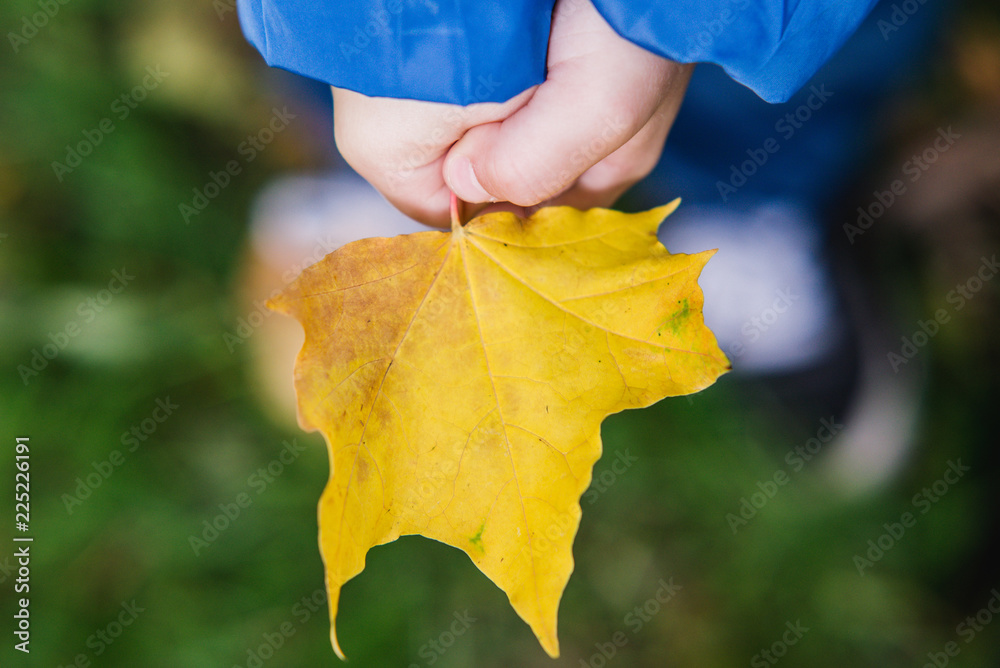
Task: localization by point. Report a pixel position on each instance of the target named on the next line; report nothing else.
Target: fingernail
(465, 185)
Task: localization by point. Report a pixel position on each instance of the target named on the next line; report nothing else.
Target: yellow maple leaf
(461, 379)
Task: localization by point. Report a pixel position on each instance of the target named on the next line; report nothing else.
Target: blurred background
(158, 182)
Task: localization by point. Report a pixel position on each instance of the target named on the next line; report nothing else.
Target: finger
(399, 145)
(606, 181)
(593, 101)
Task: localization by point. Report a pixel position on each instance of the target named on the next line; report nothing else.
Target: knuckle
(530, 179)
(624, 167)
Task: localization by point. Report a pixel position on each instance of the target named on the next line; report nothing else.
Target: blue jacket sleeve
(464, 51)
(457, 51)
(771, 46)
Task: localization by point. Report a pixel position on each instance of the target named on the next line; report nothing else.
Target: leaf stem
(456, 221)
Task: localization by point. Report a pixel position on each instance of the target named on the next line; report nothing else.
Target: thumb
(600, 91)
(567, 127)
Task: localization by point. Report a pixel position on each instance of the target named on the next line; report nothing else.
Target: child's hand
(592, 129)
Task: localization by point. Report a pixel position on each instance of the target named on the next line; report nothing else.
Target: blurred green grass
(664, 517)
